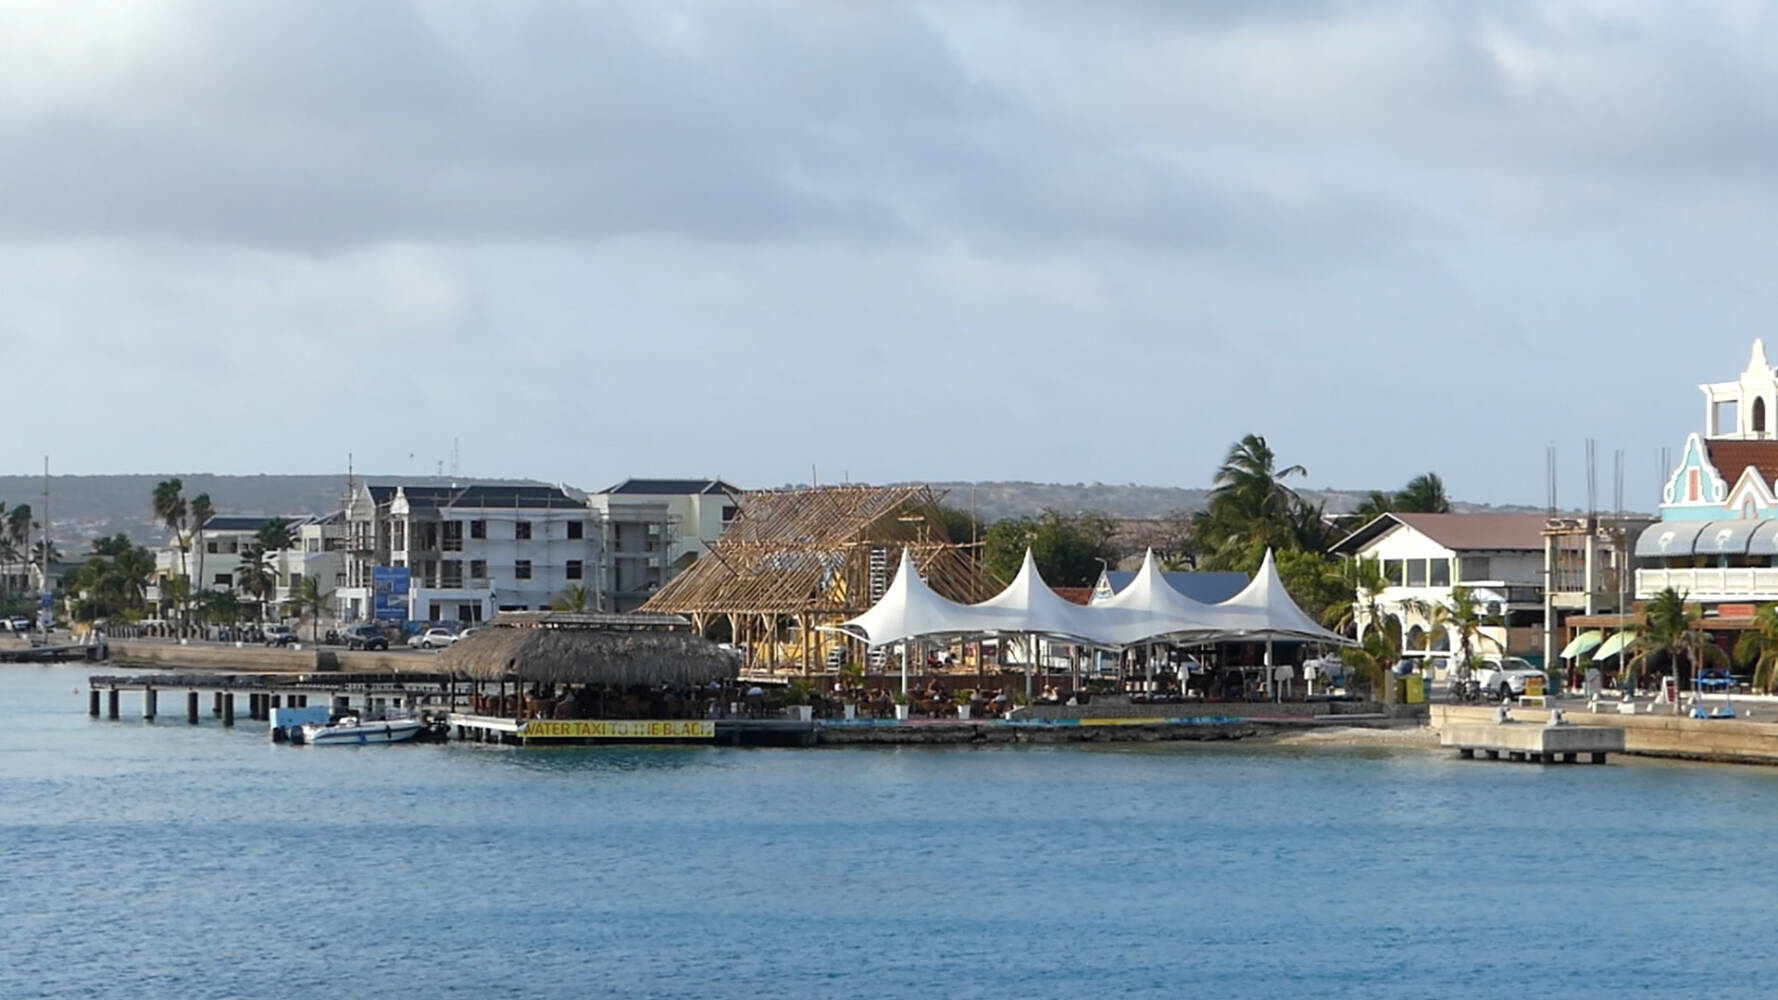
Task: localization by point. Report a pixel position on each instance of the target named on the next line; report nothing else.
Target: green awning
(1613, 645)
(1582, 642)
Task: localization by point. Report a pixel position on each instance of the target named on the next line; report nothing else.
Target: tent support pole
(1271, 685)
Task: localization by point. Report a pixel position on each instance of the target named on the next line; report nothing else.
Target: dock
(1551, 742)
(372, 693)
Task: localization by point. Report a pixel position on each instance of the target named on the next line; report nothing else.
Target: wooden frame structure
(818, 556)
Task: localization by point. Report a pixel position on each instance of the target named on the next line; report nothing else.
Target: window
(339, 579)
(432, 611)
(398, 532)
(451, 573)
(478, 569)
(225, 580)
(521, 530)
(478, 529)
(729, 511)
(1759, 416)
(1440, 575)
(210, 547)
(1416, 572)
(1392, 571)
(453, 536)
(576, 529)
(312, 544)
(1473, 568)
(521, 570)
(574, 569)
(296, 582)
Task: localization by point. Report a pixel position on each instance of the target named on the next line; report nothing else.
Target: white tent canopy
(1264, 610)
(1149, 608)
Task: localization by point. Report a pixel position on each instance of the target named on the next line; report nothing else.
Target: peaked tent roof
(1029, 605)
(1265, 610)
(908, 609)
(1149, 606)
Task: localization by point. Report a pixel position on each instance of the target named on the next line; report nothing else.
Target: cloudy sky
(1048, 241)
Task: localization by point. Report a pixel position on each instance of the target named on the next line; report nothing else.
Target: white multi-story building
(1499, 558)
(318, 552)
(468, 551)
(698, 511)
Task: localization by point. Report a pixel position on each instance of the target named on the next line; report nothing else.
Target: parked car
(1505, 678)
(366, 637)
(278, 635)
(433, 638)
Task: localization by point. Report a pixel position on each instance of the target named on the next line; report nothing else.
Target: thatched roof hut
(569, 655)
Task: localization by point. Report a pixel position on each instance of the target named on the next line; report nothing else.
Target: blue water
(165, 861)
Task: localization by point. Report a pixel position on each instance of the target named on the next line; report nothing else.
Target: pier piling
(191, 708)
(228, 708)
(111, 705)
(92, 702)
(150, 701)
(216, 704)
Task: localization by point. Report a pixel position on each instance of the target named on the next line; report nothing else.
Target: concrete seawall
(1728, 740)
(169, 655)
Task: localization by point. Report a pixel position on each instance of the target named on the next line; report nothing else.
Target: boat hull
(393, 731)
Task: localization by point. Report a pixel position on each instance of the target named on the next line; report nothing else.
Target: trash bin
(1414, 686)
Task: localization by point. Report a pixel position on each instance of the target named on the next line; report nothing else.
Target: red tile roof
(1731, 457)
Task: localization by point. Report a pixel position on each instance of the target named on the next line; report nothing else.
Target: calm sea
(166, 861)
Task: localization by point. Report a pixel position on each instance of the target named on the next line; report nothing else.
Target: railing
(1750, 582)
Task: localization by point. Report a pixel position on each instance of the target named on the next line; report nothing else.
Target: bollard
(228, 708)
(191, 707)
(92, 703)
(150, 701)
(111, 704)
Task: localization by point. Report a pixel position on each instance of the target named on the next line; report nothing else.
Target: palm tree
(170, 509)
(311, 600)
(1671, 631)
(1464, 616)
(1424, 494)
(275, 535)
(1368, 584)
(1251, 508)
(200, 511)
(255, 576)
(1758, 648)
(574, 598)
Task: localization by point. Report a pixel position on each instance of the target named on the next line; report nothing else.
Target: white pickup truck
(1503, 678)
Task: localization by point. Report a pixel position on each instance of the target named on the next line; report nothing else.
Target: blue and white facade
(1717, 540)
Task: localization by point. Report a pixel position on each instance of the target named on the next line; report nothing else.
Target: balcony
(1741, 583)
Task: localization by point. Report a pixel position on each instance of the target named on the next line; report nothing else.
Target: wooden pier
(371, 693)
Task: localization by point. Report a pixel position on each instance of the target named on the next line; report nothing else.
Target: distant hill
(87, 507)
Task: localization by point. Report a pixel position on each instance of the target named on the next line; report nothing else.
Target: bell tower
(1747, 408)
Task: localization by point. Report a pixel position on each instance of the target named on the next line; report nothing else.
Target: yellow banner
(619, 729)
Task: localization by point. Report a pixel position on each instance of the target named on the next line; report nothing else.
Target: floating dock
(1549, 743)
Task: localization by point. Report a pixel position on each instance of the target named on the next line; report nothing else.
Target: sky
(1060, 242)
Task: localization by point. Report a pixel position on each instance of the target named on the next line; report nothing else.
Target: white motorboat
(351, 730)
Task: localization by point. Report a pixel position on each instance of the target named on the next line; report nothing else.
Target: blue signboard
(388, 586)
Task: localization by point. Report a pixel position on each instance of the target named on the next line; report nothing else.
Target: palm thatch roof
(828, 551)
(588, 656)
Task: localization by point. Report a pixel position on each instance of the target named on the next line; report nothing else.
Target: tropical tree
(311, 601)
(1424, 494)
(1463, 616)
(255, 576)
(1758, 649)
(171, 510)
(1251, 509)
(276, 535)
(200, 511)
(1671, 633)
(1069, 551)
(575, 598)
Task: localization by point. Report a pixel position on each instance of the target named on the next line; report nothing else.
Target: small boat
(354, 731)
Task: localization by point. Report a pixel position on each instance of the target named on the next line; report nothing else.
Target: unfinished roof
(790, 551)
(1457, 532)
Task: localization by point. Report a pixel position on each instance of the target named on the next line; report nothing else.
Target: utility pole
(43, 603)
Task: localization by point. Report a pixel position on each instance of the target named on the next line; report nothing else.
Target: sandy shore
(1352, 736)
